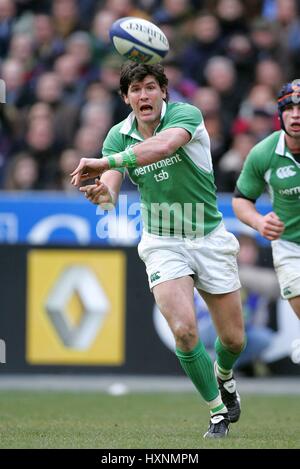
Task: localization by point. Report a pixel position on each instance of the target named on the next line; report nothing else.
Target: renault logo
(82, 281)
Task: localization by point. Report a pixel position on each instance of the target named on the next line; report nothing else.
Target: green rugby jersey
(178, 193)
(271, 164)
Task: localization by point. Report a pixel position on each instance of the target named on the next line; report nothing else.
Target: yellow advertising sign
(75, 307)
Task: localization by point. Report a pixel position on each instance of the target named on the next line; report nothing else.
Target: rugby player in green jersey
(165, 150)
(275, 163)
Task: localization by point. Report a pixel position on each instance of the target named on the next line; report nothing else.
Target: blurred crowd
(227, 57)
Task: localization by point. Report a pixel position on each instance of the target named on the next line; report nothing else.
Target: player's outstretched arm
(149, 151)
(152, 149)
(160, 146)
(270, 226)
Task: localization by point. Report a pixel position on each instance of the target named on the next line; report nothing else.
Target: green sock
(225, 359)
(199, 368)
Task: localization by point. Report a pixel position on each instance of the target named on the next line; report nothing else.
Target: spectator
(231, 17)
(102, 45)
(67, 160)
(231, 163)
(287, 16)
(14, 77)
(172, 11)
(220, 74)
(88, 142)
(239, 50)
(79, 46)
(22, 49)
(207, 100)
(87, 10)
(96, 116)
(65, 15)
(46, 44)
(213, 123)
(22, 173)
(264, 36)
(39, 112)
(7, 19)
(268, 72)
(6, 138)
(206, 42)
(109, 77)
(40, 142)
(73, 87)
(49, 90)
(259, 96)
(180, 88)
(261, 124)
(96, 91)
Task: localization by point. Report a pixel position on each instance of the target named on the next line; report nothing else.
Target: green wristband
(111, 162)
(129, 159)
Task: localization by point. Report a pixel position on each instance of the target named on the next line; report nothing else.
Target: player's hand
(99, 193)
(270, 226)
(88, 168)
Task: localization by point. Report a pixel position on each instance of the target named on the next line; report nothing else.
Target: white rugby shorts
(211, 260)
(286, 259)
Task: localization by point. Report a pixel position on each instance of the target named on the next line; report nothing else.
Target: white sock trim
(217, 402)
(223, 374)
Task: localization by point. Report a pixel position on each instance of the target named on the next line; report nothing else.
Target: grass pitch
(151, 420)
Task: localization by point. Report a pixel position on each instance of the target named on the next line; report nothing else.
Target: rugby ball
(139, 40)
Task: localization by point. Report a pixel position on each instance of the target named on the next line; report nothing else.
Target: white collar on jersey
(126, 127)
(282, 149)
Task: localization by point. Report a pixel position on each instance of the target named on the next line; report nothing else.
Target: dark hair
(133, 71)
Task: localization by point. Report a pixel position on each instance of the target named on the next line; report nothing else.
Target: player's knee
(234, 343)
(185, 335)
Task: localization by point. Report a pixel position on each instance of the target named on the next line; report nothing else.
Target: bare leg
(295, 304)
(226, 312)
(175, 299)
